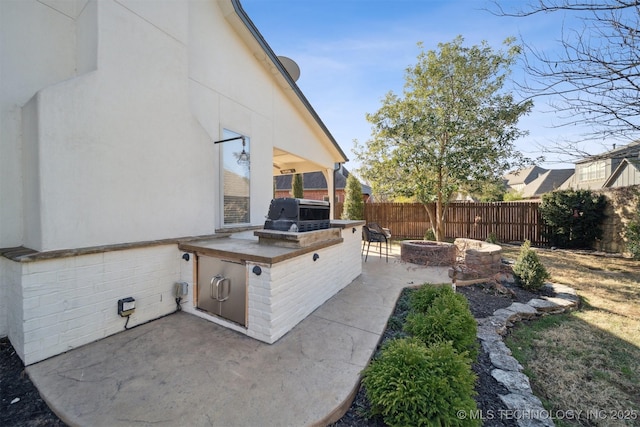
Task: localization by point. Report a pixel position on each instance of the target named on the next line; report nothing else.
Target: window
(236, 179)
(592, 171)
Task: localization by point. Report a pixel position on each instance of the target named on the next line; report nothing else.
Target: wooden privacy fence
(508, 221)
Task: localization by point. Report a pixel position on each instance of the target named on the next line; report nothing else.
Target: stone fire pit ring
(428, 252)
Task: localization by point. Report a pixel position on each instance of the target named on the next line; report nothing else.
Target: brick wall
(72, 301)
(287, 292)
(55, 305)
(10, 300)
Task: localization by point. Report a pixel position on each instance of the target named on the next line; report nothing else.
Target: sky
(351, 53)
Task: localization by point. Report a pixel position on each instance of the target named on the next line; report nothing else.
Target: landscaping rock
(544, 305)
(525, 311)
(505, 362)
(507, 315)
(515, 382)
(524, 408)
(527, 410)
(488, 333)
(496, 347)
(562, 303)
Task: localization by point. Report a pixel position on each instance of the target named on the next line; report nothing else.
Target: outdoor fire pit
(427, 252)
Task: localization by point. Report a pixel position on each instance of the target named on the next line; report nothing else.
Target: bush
(353, 203)
(528, 270)
(430, 234)
(422, 298)
(632, 234)
(447, 319)
(395, 323)
(411, 384)
(512, 196)
(573, 217)
(404, 301)
(297, 186)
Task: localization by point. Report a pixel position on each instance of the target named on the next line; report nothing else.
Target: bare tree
(595, 77)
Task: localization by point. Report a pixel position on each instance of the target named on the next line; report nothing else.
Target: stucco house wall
(109, 110)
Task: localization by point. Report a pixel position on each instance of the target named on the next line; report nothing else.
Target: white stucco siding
(293, 134)
(221, 61)
(37, 48)
(120, 153)
(111, 112)
(169, 16)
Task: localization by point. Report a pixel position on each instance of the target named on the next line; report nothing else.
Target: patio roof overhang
(285, 163)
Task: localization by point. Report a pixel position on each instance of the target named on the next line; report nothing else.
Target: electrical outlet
(182, 288)
(126, 306)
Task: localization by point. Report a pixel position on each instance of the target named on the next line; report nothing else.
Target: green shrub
(430, 234)
(447, 319)
(404, 300)
(422, 298)
(353, 203)
(395, 323)
(528, 270)
(492, 238)
(411, 384)
(573, 217)
(297, 186)
(632, 234)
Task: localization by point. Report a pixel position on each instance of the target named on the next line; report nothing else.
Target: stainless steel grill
(298, 215)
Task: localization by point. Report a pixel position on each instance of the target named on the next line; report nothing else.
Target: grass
(587, 360)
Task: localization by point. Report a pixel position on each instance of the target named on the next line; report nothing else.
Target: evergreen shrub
(297, 186)
(632, 234)
(353, 207)
(421, 299)
(448, 318)
(529, 272)
(430, 234)
(411, 384)
(573, 218)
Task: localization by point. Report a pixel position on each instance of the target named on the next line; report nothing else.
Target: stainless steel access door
(222, 288)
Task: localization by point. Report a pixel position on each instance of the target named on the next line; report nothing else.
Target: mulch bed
(21, 405)
(20, 401)
(483, 299)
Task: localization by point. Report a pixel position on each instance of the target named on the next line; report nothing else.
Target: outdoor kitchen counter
(271, 252)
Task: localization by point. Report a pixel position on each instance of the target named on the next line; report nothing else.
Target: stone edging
(507, 370)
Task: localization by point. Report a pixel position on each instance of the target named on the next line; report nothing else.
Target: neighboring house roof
(547, 182)
(626, 151)
(236, 184)
(523, 176)
(317, 181)
(246, 21)
(623, 159)
(632, 166)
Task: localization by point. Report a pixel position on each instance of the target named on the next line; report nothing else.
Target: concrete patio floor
(181, 370)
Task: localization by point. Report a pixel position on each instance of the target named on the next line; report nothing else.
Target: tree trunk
(436, 212)
(431, 213)
(439, 221)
